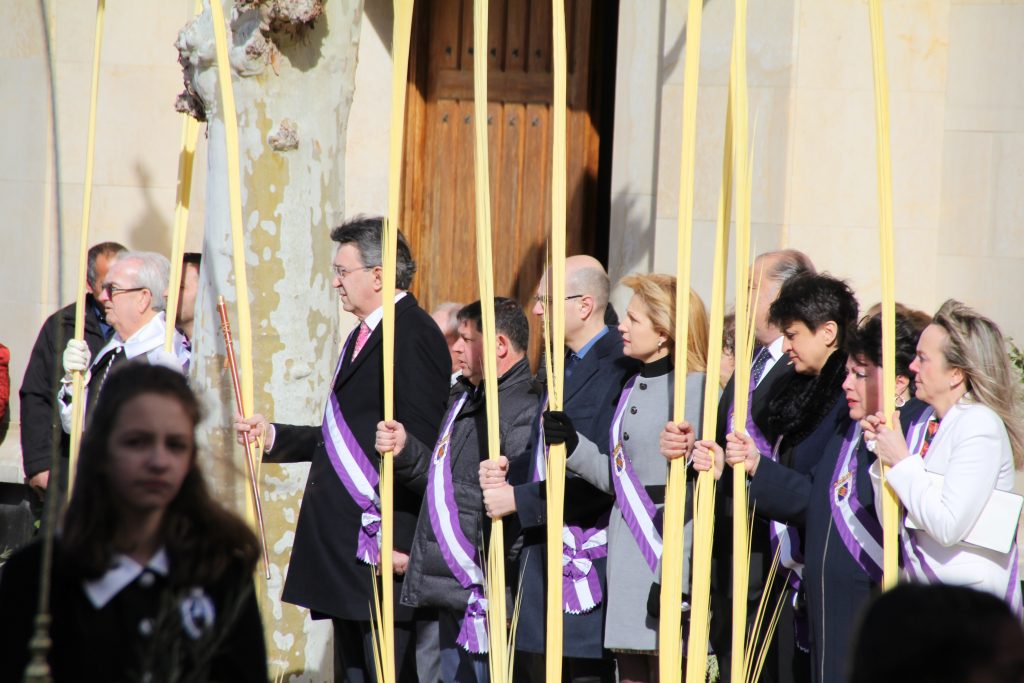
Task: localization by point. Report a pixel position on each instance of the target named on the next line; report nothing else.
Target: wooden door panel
(438, 194)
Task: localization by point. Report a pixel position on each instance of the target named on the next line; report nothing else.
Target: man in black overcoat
(40, 421)
(325, 574)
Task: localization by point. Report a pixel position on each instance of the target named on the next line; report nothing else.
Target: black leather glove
(558, 429)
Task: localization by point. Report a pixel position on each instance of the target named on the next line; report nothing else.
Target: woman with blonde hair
(974, 440)
(634, 472)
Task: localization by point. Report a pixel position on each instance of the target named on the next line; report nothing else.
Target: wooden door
(438, 185)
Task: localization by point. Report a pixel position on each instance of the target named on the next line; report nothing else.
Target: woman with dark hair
(815, 313)
(974, 442)
(151, 577)
(833, 502)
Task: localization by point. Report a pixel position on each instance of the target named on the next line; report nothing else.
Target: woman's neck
(654, 357)
(945, 403)
(814, 372)
(139, 536)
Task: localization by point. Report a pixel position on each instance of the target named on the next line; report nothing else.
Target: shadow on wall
(149, 231)
(633, 251)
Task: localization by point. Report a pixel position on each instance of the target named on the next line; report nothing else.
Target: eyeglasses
(343, 273)
(114, 290)
(546, 300)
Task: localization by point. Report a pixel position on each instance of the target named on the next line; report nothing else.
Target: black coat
(39, 417)
(836, 586)
(110, 643)
(324, 574)
(429, 582)
(591, 394)
(777, 379)
(775, 382)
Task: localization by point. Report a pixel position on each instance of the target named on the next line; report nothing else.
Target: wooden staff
(555, 482)
(890, 504)
(704, 496)
(254, 488)
(78, 378)
(498, 646)
(670, 619)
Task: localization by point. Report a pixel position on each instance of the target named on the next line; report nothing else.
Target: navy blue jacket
(836, 586)
(591, 393)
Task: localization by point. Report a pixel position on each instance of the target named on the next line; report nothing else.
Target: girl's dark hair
(946, 634)
(814, 300)
(203, 539)
(866, 341)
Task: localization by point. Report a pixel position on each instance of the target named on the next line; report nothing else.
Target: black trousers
(353, 652)
(529, 668)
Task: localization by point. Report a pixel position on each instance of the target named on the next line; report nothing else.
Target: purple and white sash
(923, 572)
(1013, 591)
(780, 534)
(581, 586)
(540, 449)
(636, 506)
(858, 527)
(459, 554)
(357, 474)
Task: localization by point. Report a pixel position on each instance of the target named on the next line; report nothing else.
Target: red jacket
(5, 379)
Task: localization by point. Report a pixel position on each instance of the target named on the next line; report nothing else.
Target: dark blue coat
(591, 393)
(836, 586)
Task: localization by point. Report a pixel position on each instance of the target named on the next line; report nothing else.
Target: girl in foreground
(151, 578)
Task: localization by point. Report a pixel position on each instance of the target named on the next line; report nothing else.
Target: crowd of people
(150, 575)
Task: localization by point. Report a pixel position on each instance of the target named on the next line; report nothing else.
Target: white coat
(972, 451)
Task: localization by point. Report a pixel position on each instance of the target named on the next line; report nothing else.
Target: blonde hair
(657, 293)
(976, 347)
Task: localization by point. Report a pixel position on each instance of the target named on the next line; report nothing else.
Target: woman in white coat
(975, 440)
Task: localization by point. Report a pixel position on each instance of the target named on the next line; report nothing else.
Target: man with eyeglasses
(134, 298)
(337, 537)
(595, 371)
(41, 382)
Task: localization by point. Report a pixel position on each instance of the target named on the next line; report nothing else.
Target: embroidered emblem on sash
(841, 488)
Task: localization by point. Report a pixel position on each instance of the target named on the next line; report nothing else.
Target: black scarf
(800, 407)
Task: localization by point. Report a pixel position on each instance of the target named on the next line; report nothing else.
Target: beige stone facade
(957, 105)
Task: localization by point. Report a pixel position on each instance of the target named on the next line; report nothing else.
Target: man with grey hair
(337, 536)
(446, 316)
(134, 297)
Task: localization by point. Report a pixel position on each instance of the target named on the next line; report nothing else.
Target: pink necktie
(364, 334)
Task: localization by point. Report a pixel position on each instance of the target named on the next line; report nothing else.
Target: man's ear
(378, 278)
(503, 346)
(586, 304)
(144, 303)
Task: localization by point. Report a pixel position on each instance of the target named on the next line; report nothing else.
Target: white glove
(76, 356)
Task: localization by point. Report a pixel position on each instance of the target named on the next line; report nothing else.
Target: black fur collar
(805, 401)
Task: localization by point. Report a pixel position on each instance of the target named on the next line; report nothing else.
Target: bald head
(771, 270)
(586, 290)
(585, 275)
